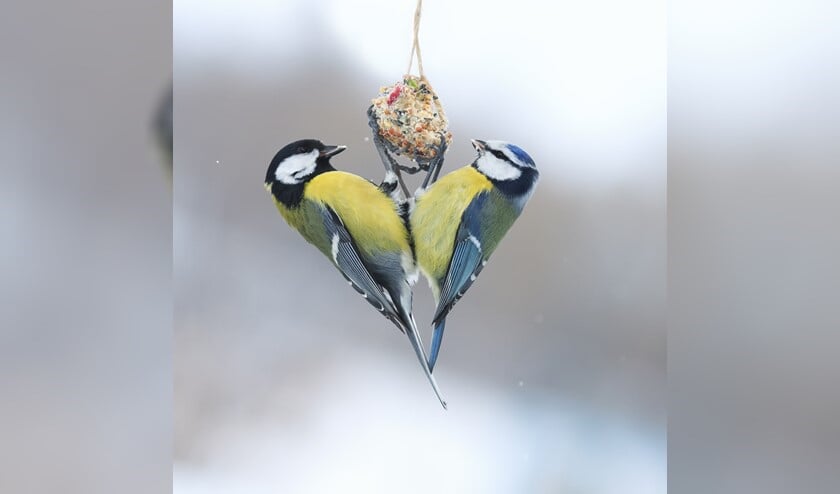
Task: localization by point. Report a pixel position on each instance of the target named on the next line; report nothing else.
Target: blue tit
(355, 224)
(459, 221)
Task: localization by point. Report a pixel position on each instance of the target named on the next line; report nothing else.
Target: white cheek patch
(294, 168)
(505, 149)
(497, 169)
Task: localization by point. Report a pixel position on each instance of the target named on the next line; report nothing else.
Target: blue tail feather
(437, 339)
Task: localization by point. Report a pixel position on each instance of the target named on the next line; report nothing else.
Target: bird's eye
(301, 149)
(499, 154)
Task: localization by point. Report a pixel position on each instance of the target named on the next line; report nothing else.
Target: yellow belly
(436, 217)
(368, 214)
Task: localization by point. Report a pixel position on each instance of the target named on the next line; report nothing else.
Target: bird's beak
(479, 145)
(329, 151)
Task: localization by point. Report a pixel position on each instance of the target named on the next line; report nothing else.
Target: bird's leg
(392, 168)
(403, 187)
(426, 180)
(436, 163)
(411, 170)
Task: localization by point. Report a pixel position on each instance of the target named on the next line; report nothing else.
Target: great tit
(355, 224)
(459, 221)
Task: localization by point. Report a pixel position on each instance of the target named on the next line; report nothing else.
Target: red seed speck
(395, 93)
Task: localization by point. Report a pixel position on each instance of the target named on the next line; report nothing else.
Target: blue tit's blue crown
(521, 154)
(507, 166)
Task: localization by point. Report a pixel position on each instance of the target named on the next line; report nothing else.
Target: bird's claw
(436, 162)
(387, 150)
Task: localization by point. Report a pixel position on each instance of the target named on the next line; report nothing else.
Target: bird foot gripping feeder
(407, 119)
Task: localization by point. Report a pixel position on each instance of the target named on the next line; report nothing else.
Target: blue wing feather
(467, 262)
(467, 258)
(382, 292)
(437, 339)
(348, 261)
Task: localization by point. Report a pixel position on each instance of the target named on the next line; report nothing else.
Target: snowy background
(554, 367)
(553, 364)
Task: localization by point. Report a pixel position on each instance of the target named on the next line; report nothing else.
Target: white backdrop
(554, 363)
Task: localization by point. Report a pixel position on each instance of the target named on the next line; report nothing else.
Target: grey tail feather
(406, 319)
(414, 338)
(437, 339)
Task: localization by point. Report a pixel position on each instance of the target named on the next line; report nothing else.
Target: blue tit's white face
(501, 161)
(295, 168)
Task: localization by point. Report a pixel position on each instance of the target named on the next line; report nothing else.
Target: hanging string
(415, 46)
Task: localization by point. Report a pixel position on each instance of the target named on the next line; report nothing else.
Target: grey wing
(347, 259)
(467, 259)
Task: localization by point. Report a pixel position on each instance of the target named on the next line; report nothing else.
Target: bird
(458, 221)
(356, 225)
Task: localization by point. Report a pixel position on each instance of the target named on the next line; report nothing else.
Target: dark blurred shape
(85, 328)
(162, 128)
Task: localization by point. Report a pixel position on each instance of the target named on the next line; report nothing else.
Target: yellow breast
(436, 217)
(368, 214)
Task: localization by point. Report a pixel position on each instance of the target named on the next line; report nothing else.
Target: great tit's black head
(299, 161)
(507, 165)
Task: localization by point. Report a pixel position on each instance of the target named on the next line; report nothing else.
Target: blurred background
(753, 243)
(553, 364)
(571, 398)
(85, 249)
